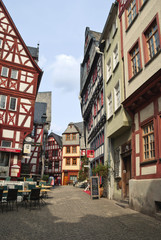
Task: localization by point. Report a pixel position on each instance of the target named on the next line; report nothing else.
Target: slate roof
(34, 52)
(96, 35)
(40, 109)
(79, 126)
(56, 137)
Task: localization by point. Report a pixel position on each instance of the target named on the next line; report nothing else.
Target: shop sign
(83, 152)
(27, 148)
(10, 150)
(90, 153)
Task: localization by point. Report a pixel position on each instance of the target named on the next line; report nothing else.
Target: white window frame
(1, 107)
(1, 42)
(2, 72)
(109, 106)
(4, 141)
(115, 56)
(117, 92)
(15, 104)
(109, 69)
(14, 71)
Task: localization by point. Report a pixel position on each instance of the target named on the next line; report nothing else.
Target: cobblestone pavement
(71, 214)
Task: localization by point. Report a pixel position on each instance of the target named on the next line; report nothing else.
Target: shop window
(13, 102)
(148, 142)
(73, 178)
(4, 72)
(4, 159)
(6, 143)
(151, 41)
(3, 99)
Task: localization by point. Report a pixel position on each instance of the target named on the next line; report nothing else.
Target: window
(12, 105)
(115, 57)
(101, 98)
(73, 178)
(4, 159)
(109, 106)
(131, 12)
(55, 153)
(67, 149)
(4, 72)
(74, 161)
(6, 143)
(56, 164)
(68, 161)
(1, 41)
(98, 104)
(109, 69)
(74, 150)
(117, 96)
(74, 136)
(95, 74)
(148, 142)
(135, 60)
(3, 101)
(152, 40)
(68, 137)
(14, 74)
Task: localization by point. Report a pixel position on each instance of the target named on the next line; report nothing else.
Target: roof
(34, 52)
(40, 109)
(56, 137)
(79, 126)
(96, 35)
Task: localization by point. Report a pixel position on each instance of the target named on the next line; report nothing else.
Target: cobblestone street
(71, 214)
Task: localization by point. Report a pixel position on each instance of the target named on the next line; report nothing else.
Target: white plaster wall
(7, 133)
(137, 166)
(137, 143)
(136, 121)
(147, 112)
(143, 194)
(148, 170)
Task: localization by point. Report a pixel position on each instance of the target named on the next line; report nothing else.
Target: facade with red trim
(20, 77)
(141, 53)
(53, 155)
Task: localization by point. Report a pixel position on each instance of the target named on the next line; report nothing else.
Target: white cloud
(65, 72)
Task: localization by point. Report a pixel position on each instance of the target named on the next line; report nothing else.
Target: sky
(59, 29)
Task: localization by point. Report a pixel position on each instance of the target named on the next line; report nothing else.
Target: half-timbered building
(92, 97)
(53, 154)
(20, 78)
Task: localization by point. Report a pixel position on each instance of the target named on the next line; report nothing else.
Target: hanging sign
(90, 153)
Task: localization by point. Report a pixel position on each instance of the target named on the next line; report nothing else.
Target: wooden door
(65, 178)
(126, 176)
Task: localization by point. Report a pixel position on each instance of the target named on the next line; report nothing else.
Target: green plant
(101, 170)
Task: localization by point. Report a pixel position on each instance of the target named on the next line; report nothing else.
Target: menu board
(94, 187)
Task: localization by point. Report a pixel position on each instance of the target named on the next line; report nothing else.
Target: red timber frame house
(53, 156)
(20, 77)
(141, 51)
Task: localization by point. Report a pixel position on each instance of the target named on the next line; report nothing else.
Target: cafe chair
(34, 197)
(11, 199)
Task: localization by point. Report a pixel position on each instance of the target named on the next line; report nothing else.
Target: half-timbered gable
(54, 157)
(19, 81)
